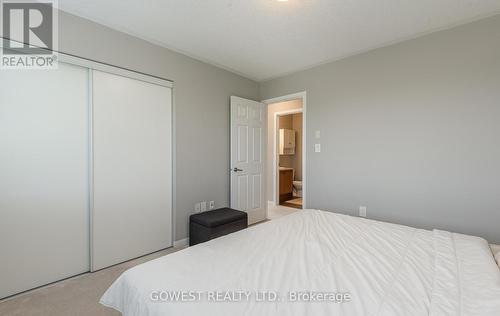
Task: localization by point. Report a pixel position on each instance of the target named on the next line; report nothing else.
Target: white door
(44, 176)
(248, 132)
(132, 149)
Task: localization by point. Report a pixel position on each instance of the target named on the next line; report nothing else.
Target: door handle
(237, 169)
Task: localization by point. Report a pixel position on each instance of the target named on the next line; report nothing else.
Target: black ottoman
(212, 224)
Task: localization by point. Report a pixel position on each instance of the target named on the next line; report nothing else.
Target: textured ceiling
(263, 39)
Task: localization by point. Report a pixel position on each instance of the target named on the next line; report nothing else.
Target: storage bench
(212, 224)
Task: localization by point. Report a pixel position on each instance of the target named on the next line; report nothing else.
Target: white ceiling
(263, 39)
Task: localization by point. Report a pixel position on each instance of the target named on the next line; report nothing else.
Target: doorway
(286, 154)
(289, 158)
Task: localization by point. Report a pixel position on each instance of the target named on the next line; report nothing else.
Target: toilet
(297, 188)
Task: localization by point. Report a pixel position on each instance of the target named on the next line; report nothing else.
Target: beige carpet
(279, 211)
(78, 296)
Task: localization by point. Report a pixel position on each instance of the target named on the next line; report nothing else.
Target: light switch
(317, 148)
(317, 134)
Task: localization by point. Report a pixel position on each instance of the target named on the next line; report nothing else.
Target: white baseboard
(270, 204)
(181, 243)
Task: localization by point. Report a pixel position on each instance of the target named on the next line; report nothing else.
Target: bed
(289, 265)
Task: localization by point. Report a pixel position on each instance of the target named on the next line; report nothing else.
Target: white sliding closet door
(132, 141)
(44, 172)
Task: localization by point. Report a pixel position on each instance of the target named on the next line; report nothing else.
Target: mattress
(317, 263)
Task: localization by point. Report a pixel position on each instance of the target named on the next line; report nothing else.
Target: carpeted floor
(78, 296)
(279, 211)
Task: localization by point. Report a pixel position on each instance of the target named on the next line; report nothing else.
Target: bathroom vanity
(285, 184)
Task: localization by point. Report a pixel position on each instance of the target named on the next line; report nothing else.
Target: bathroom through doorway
(289, 159)
(286, 152)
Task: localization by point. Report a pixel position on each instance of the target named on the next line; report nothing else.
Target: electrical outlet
(317, 134)
(212, 205)
(362, 211)
(197, 207)
(203, 206)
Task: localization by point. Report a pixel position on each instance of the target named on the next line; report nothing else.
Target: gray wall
(412, 131)
(201, 98)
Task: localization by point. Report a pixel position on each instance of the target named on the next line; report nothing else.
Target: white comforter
(386, 269)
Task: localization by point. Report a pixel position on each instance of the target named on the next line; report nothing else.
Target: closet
(85, 170)
(132, 169)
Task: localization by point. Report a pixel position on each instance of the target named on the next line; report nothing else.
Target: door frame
(289, 97)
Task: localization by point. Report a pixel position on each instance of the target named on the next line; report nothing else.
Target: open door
(248, 149)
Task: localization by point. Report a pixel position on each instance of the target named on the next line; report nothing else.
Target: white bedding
(387, 269)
